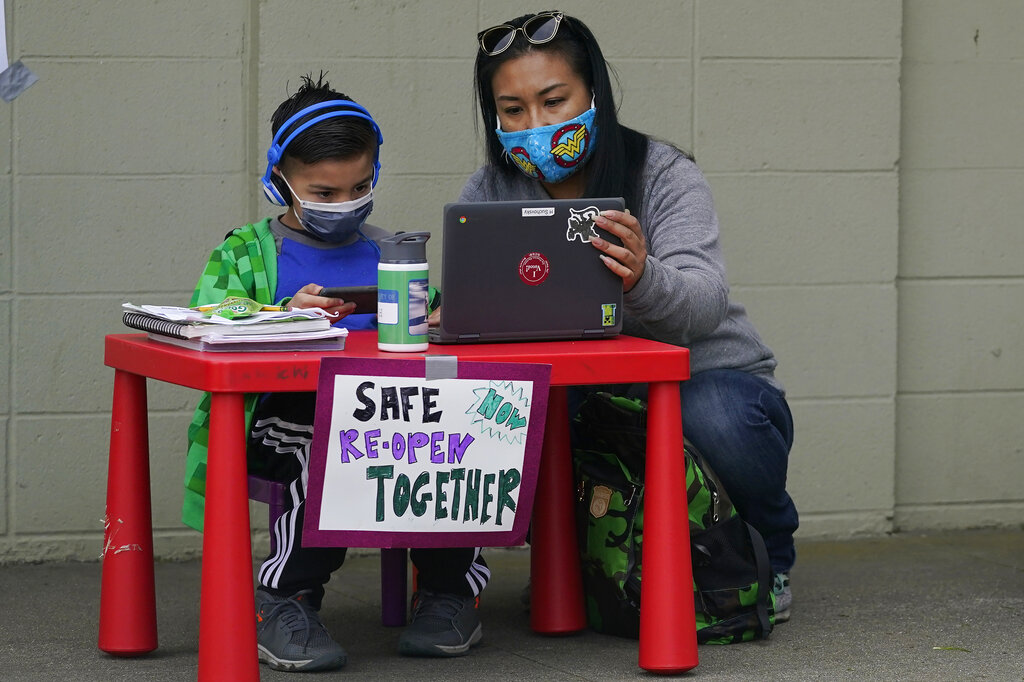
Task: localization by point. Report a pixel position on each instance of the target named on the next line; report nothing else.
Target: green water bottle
(402, 280)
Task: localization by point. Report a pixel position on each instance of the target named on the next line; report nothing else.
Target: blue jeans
(743, 427)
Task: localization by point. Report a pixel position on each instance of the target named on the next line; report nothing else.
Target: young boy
(323, 163)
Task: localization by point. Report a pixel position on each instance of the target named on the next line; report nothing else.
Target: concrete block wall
(143, 141)
(128, 157)
(961, 291)
(799, 138)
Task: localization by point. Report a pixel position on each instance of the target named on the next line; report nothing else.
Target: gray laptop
(526, 271)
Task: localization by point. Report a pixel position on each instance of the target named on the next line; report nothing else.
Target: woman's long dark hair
(615, 167)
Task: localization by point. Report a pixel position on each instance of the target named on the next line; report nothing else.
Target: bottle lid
(404, 247)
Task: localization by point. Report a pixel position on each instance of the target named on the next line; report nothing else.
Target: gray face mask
(333, 222)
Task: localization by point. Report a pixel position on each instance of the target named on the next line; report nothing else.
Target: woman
(546, 100)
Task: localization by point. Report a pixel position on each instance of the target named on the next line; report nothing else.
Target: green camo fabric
(245, 264)
(610, 438)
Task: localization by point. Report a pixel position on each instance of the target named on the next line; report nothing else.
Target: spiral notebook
(332, 338)
(526, 271)
(307, 329)
(192, 330)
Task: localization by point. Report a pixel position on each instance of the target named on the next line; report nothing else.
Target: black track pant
(279, 449)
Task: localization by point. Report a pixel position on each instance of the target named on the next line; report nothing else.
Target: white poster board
(400, 460)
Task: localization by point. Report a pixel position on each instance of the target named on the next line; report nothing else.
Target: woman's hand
(629, 260)
(308, 297)
(434, 318)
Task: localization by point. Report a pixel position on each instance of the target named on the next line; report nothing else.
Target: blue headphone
(277, 148)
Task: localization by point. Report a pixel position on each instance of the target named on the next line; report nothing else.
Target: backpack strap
(763, 579)
(631, 585)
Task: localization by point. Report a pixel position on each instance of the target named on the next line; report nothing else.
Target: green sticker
(608, 314)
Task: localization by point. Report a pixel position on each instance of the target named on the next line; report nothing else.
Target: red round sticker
(534, 268)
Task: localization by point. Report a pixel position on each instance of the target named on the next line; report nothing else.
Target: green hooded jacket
(245, 264)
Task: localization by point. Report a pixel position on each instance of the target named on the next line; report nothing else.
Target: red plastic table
(227, 623)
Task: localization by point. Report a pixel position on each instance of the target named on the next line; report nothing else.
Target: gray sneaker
(783, 597)
(442, 625)
(290, 636)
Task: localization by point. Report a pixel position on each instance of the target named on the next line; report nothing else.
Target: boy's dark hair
(340, 137)
(616, 163)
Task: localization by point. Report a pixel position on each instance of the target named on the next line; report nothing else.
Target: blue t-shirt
(302, 260)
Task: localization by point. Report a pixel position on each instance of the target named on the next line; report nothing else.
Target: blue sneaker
(290, 636)
(783, 597)
(442, 625)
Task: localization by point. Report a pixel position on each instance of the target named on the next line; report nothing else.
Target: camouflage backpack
(732, 591)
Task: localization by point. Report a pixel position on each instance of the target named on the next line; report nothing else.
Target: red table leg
(227, 611)
(127, 592)
(668, 629)
(555, 579)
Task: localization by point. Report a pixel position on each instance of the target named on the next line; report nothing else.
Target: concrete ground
(944, 606)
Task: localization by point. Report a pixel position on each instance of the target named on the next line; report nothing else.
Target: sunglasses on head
(538, 29)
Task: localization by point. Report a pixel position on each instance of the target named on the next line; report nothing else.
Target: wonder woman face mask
(551, 153)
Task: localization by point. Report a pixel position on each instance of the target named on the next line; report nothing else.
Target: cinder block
(60, 365)
(61, 460)
(5, 468)
(960, 448)
(844, 525)
(163, 396)
(168, 441)
(424, 108)
(129, 233)
(165, 116)
(72, 450)
(356, 30)
(658, 28)
(962, 115)
(842, 457)
(799, 28)
(6, 338)
(182, 545)
(6, 234)
(6, 139)
(801, 228)
(961, 516)
(956, 31)
(416, 202)
(657, 98)
(798, 115)
(961, 336)
(962, 223)
(830, 341)
(107, 28)
(64, 460)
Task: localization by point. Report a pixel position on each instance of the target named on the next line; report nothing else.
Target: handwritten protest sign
(400, 460)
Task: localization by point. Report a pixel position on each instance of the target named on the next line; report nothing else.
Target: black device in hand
(365, 297)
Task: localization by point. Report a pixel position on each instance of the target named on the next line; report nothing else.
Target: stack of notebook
(279, 330)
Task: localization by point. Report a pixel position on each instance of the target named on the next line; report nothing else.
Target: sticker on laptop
(581, 224)
(534, 268)
(607, 314)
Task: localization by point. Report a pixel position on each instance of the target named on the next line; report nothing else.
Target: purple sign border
(314, 536)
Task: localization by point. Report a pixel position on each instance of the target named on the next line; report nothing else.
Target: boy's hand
(308, 297)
